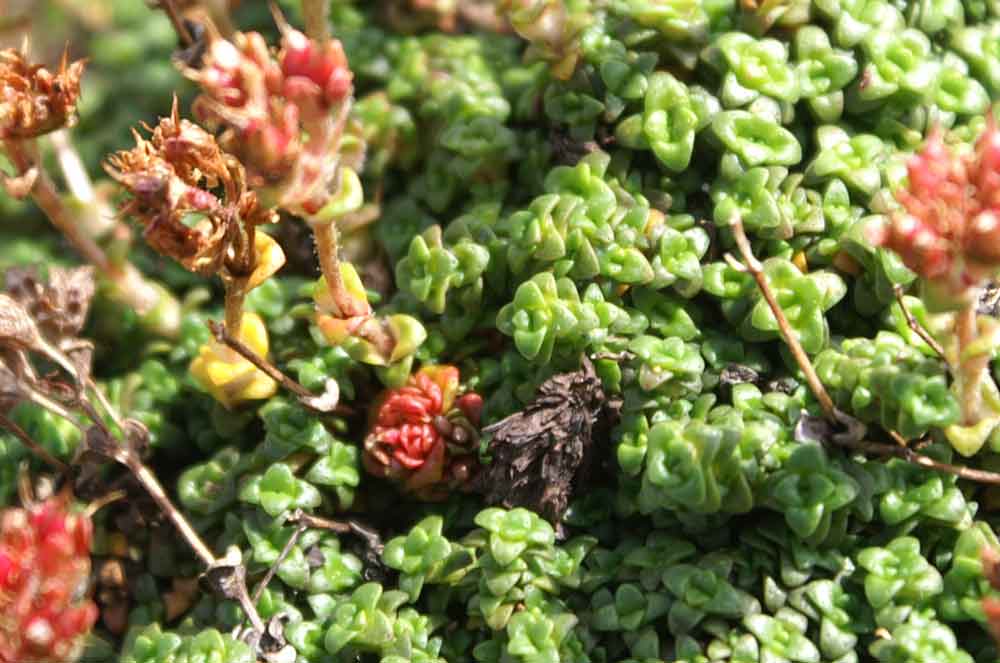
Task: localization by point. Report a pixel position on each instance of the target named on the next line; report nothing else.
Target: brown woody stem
(327, 247)
(236, 294)
(47, 198)
(756, 270)
(177, 21)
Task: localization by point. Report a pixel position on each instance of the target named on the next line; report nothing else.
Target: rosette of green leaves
(836, 610)
(812, 492)
(667, 124)
(624, 71)
(677, 262)
(364, 620)
(151, 645)
(965, 584)
(278, 489)
(757, 140)
(920, 639)
(339, 469)
(430, 271)
(704, 590)
(680, 20)
(804, 298)
(957, 91)
(542, 632)
(912, 493)
(933, 16)
(667, 314)
(424, 555)
(546, 310)
(694, 467)
(899, 64)
(667, 366)
(322, 364)
(856, 19)
(753, 197)
(884, 380)
(754, 67)
(629, 608)
(782, 637)
(883, 269)
(980, 46)
(898, 578)
(267, 538)
(210, 487)
(823, 71)
(290, 428)
(412, 641)
(512, 532)
(854, 160)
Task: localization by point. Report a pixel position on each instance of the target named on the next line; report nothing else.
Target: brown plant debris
(540, 454)
(34, 100)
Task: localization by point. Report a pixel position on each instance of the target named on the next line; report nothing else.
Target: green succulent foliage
(667, 125)
(856, 19)
(782, 637)
(755, 67)
(823, 72)
(546, 310)
(705, 590)
(757, 140)
(910, 492)
(423, 554)
(210, 487)
(339, 470)
(364, 620)
(965, 585)
(836, 610)
(920, 638)
(898, 575)
(810, 490)
(151, 645)
(804, 298)
(884, 380)
(429, 271)
(854, 160)
(278, 490)
(977, 44)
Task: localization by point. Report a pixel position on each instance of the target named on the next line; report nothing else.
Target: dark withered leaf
(848, 430)
(540, 453)
(17, 329)
(60, 306)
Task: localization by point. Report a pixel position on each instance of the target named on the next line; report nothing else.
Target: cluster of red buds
(44, 567)
(283, 115)
(33, 100)
(949, 232)
(424, 435)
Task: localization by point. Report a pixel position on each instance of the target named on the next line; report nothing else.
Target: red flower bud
(415, 439)
(44, 561)
(950, 231)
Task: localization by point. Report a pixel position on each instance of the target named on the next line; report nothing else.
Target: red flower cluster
(279, 112)
(950, 231)
(423, 436)
(44, 565)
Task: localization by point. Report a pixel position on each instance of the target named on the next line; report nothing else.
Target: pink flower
(44, 563)
(949, 232)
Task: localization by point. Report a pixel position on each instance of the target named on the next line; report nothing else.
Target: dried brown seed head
(34, 100)
(58, 307)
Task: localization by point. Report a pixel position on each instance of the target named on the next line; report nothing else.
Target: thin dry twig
(177, 21)
(832, 414)
(325, 402)
(300, 517)
(31, 445)
(753, 266)
(262, 585)
(916, 326)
